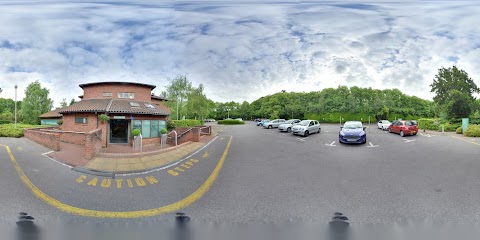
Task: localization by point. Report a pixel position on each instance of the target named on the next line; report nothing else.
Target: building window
(148, 105)
(126, 95)
(81, 120)
(149, 128)
(107, 94)
(134, 104)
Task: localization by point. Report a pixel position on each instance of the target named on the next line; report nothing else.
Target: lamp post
(228, 113)
(16, 106)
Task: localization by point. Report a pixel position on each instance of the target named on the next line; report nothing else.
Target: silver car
(287, 126)
(274, 123)
(306, 127)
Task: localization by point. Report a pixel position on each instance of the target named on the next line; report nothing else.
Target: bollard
(338, 227)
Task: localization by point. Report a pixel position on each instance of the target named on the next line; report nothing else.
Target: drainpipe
(96, 114)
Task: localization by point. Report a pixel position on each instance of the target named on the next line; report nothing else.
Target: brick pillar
(56, 141)
(196, 134)
(88, 149)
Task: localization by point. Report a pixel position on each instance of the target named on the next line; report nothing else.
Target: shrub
(59, 122)
(230, 122)
(429, 123)
(187, 123)
(135, 132)
(170, 125)
(473, 130)
(459, 130)
(163, 131)
(9, 130)
(103, 117)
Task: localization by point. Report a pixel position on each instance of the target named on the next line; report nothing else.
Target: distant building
(51, 118)
(129, 105)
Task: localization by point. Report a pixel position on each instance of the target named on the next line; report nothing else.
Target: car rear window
(409, 123)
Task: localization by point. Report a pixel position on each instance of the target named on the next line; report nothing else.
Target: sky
(239, 50)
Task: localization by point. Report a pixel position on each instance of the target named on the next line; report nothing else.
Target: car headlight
(362, 133)
(342, 134)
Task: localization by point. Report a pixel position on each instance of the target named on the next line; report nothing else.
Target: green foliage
(170, 125)
(103, 117)
(163, 131)
(6, 117)
(59, 122)
(9, 130)
(436, 124)
(72, 102)
(454, 91)
(459, 130)
(187, 123)
(135, 132)
(230, 122)
(63, 103)
(35, 103)
(473, 130)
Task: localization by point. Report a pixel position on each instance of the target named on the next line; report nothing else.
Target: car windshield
(352, 125)
(386, 122)
(290, 121)
(304, 123)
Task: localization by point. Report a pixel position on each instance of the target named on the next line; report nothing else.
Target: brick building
(129, 105)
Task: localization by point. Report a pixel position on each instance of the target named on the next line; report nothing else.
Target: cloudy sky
(240, 50)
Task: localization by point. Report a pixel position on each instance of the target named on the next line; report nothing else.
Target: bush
(429, 123)
(59, 122)
(135, 132)
(170, 125)
(163, 131)
(459, 130)
(473, 130)
(187, 123)
(103, 117)
(230, 122)
(9, 130)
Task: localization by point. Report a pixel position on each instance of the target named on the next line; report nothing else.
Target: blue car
(262, 122)
(352, 132)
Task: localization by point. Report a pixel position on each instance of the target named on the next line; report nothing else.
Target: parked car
(257, 120)
(262, 122)
(352, 132)
(414, 122)
(306, 127)
(239, 119)
(383, 124)
(274, 123)
(287, 126)
(209, 120)
(403, 128)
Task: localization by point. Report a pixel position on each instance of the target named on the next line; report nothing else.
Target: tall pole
(177, 105)
(15, 106)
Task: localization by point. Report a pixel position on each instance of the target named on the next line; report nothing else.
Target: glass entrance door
(118, 131)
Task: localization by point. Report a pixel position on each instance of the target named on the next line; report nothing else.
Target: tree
(177, 91)
(451, 83)
(63, 103)
(72, 102)
(35, 103)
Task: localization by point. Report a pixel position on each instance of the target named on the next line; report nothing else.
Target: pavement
(249, 174)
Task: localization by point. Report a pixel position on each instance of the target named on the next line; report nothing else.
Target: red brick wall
(70, 125)
(96, 91)
(47, 139)
(73, 137)
(184, 135)
(161, 105)
(151, 141)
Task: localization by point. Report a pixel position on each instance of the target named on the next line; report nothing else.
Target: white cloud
(239, 51)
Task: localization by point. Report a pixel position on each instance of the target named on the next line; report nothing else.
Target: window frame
(107, 94)
(82, 117)
(130, 95)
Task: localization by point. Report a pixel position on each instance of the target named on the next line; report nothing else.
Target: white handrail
(176, 139)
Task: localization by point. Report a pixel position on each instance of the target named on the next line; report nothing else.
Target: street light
(15, 106)
(228, 113)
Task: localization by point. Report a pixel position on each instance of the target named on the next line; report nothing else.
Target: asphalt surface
(268, 176)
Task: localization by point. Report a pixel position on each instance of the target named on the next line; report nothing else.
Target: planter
(163, 138)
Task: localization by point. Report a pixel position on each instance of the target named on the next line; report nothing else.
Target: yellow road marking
(132, 214)
(129, 183)
(119, 183)
(81, 179)
(466, 140)
(93, 182)
(151, 179)
(140, 182)
(106, 182)
(205, 155)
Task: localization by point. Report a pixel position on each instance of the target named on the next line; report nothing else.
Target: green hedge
(186, 123)
(473, 130)
(335, 117)
(459, 130)
(9, 130)
(436, 124)
(230, 122)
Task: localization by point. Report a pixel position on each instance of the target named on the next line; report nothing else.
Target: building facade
(128, 105)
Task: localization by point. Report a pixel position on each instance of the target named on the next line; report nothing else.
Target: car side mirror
(341, 128)
(364, 128)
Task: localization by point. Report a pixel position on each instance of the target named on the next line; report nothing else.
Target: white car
(287, 126)
(383, 124)
(306, 127)
(274, 123)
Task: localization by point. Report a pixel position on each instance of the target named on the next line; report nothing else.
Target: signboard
(464, 124)
(118, 117)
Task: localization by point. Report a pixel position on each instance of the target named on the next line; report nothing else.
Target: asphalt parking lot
(267, 175)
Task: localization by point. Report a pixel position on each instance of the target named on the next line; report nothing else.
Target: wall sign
(118, 117)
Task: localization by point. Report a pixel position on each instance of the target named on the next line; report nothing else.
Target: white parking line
(371, 145)
(407, 141)
(331, 144)
(302, 139)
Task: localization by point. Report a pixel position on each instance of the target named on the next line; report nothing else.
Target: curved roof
(115, 106)
(117, 83)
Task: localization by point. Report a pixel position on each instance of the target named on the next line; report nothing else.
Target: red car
(403, 128)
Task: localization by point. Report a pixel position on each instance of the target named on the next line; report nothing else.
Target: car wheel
(364, 141)
(289, 130)
(269, 126)
(305, 133)
(319, 129)
(402, 134)
(390, 130)
(414, 134)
